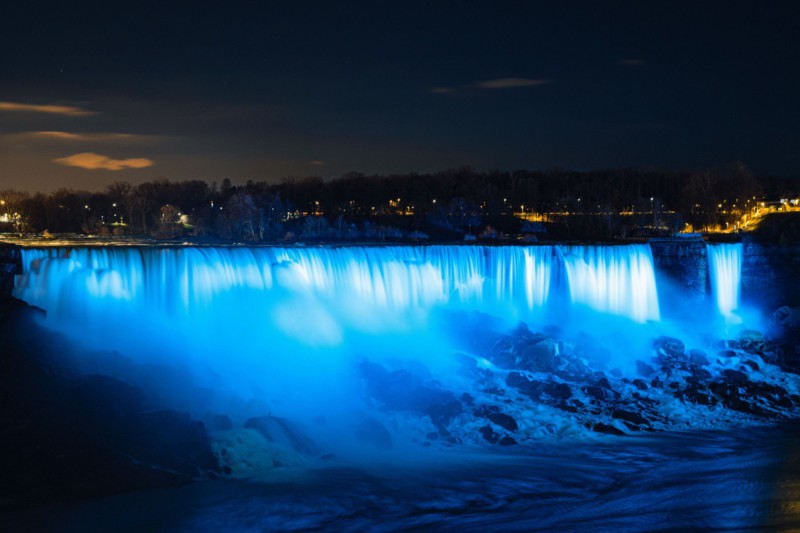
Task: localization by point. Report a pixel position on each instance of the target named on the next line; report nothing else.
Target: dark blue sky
(260, 90)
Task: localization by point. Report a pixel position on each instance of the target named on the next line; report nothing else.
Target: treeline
(459, 200)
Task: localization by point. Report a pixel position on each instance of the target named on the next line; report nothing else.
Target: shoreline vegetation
(451, 206)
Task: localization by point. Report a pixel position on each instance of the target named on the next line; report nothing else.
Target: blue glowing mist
(283, 329)
(272, 310)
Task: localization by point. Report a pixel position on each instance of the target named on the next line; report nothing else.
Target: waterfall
(361, 282)
(290, 318)
(262, 302)
(508, 280)
(619, 280)
(725, 268)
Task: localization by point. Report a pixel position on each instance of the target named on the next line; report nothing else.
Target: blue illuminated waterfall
(292, 319)
(725, 268)
(366, 284)
(619, 280)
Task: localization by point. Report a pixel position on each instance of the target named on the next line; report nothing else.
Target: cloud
(92, 161)
(631, 62)
(69, 111)
(510, 83)
(88, 137)
(499, 83)
(317, 163)
(61, 135)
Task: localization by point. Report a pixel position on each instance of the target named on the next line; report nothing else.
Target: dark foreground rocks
(65, 436)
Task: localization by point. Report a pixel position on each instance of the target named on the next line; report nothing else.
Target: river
(747, 479)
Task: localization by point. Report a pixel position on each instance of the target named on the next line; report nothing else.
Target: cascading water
(293, 331)
(619, 280)
(286, 316)
(364, 284)
(725, 268)
(181, 282)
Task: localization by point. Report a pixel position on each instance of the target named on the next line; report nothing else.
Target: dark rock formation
(10, 265)
(536, 390)
(493, 414)
(282, 432)
(371, 432)
(403, 391)
(67, 436)
(218, 422)
(630, 416)
(608, 429)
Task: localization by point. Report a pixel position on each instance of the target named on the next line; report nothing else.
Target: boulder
(698, 357)
(219, 422)
(493, 414)
(371, 432)
(645, 370)
(670, 346)
(630, 416)
(488, 434)
(403, 391)
(537, 355)
(282, 432)
(600, 393)
(607, 429)
(443, 409)
(538, 390)
(752, 365)
(735, 377)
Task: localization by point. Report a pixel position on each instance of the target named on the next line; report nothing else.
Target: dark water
(745, 480)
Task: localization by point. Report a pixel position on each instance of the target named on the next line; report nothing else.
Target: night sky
(261, 90)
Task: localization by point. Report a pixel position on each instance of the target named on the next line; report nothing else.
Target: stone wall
(10, 264)
(684, 262)
(770, 275)
(770, 272)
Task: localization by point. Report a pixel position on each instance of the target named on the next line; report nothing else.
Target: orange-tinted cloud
(69, 111)
(61, 135)
(93, 137)
(92, 161)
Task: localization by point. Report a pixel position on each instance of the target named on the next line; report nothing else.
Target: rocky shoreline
(67, 435)
(531, 385)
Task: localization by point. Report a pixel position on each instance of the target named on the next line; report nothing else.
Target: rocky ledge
(525, 386)
(9, 266)
(67, 436)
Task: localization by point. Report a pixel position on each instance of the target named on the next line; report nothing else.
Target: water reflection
(748, 479)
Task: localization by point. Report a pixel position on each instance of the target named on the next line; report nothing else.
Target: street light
(653, 211)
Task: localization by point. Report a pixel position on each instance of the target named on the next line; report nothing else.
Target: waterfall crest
(509, 281)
